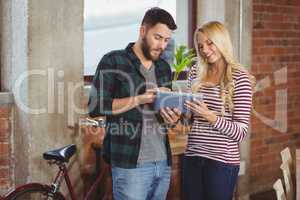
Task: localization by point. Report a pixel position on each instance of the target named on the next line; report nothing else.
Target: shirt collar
(129, 49)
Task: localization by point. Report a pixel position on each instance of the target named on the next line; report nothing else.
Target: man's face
(155, 40)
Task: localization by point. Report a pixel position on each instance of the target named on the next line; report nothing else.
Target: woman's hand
(200, 108)
(170, 116)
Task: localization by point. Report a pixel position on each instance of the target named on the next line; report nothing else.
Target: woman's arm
(242, 100)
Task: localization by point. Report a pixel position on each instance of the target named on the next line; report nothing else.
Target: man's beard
(146, 50)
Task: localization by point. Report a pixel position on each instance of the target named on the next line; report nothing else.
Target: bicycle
(59, 157)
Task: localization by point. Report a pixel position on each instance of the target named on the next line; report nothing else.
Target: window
(112, 24)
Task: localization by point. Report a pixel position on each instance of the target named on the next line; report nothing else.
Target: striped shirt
(221, 141)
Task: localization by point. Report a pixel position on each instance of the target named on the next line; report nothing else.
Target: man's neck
(139, 53)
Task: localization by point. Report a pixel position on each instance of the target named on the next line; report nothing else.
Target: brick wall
(5, 148)
(276, 46)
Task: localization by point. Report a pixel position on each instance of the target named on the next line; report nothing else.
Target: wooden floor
(268, 195)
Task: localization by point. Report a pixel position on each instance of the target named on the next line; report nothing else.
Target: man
(136, 144)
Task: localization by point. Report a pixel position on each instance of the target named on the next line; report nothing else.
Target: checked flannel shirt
(118, 76)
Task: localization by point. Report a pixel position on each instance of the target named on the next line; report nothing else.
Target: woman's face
(208, 49)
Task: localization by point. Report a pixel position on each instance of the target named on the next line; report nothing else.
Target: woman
(220, 121)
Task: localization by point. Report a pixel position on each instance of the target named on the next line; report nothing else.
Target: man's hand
(170, 116)
(124, 104)
(147, 97)
(164, 89)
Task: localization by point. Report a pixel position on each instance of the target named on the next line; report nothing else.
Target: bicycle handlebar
(93, 122)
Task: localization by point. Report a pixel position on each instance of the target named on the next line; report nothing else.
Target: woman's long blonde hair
(219, 35)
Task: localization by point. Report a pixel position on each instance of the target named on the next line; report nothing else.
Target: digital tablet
(174, 100)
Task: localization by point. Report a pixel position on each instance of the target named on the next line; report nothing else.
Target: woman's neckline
(210, 84)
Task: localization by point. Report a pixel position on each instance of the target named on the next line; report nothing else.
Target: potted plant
(183, 58)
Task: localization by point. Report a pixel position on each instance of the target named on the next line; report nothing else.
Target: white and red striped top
(221, 141)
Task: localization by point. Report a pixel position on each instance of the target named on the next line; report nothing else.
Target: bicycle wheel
(34, 192)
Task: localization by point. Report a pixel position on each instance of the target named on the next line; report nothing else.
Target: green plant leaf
(183, 58)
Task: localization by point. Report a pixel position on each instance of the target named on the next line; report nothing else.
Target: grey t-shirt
(153, 146)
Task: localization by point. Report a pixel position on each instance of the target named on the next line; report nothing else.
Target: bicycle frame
(54, 187)
(63, 174)
(10, 194)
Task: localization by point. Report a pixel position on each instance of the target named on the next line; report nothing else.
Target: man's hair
(157, 15)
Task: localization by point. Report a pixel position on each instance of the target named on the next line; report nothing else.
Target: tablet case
(174, 100)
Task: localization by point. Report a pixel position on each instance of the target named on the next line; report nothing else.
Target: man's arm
(103, 86)
(127, 103)
(124, 104)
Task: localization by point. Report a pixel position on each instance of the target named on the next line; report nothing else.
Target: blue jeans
(150, 180)
(206, 179)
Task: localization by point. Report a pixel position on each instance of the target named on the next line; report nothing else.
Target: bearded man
(136, 144)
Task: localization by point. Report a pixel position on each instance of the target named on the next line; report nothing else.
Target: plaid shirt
(118, 76)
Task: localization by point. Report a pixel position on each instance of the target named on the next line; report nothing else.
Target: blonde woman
(220, 121)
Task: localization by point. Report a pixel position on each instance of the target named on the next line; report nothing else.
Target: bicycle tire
(34, 192)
